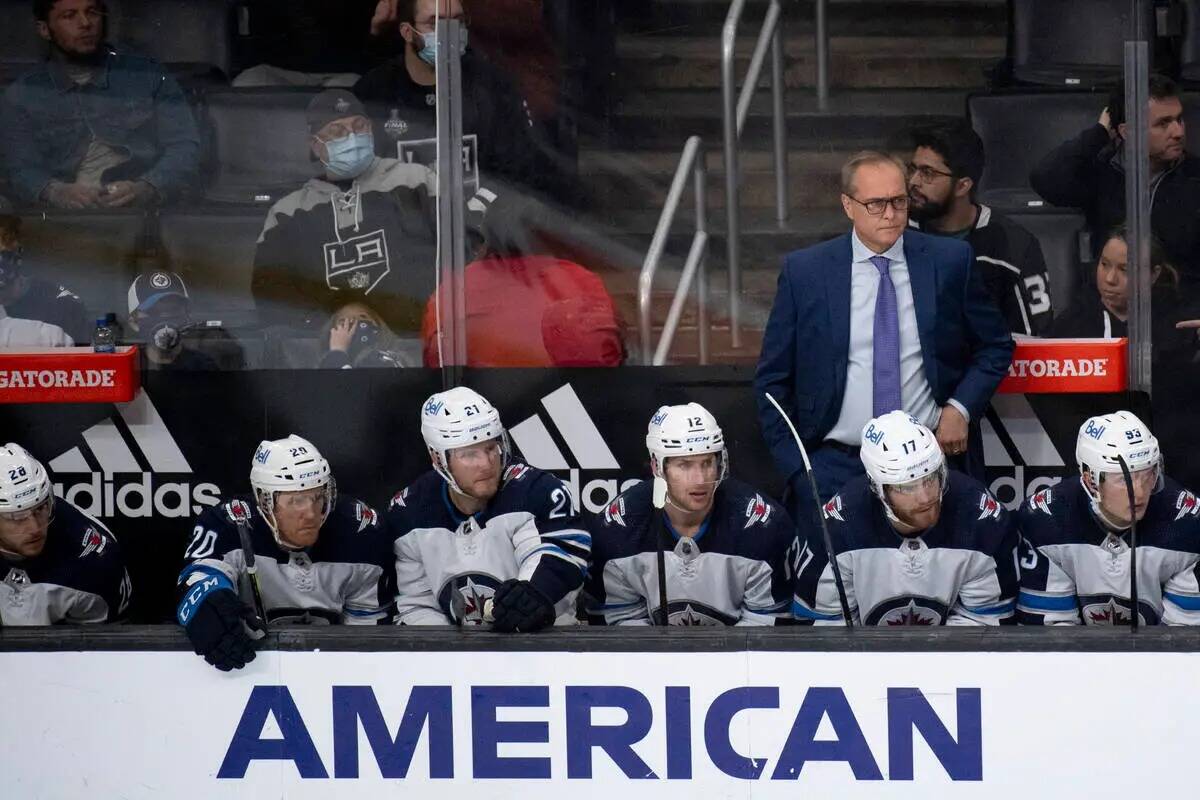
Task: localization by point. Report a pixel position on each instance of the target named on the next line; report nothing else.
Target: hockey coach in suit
(879, 319)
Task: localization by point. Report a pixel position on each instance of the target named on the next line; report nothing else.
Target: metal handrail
(735, 111)
(691, 164)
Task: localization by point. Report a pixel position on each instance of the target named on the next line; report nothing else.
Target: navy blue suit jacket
(965, 343)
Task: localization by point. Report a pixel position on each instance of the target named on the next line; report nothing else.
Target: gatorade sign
(1067, 366)
(68, 375)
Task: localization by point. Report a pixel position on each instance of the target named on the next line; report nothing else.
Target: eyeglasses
(431, 23)
(876, 207)
(927, 174)
(337, 130)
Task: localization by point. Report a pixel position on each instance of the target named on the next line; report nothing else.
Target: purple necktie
(886, 386)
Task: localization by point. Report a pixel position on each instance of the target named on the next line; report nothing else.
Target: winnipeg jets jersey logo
(1040, 502)
(399, 500)
(988, 507)
(1107, 611)
(17, 578)
(1186, 505)
(464, 599)
(365, 515)
(614, 513)
(516, 472)
(690, 613)
(357, 263)
(833, 509)
(93, 542)
(237, 511)
(757, 511)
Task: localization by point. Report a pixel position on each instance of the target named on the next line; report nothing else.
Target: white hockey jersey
(345, 578)
(1074, 571)
(448, 564)
(962, 571)
(737, 570)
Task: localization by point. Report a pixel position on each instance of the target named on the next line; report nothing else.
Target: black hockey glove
(521, 607)
(218, 631)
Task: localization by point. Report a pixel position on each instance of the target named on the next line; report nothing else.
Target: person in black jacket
(943, 172)
(1103, 312)
(401, 94)
(1088, 172)
(26, 296)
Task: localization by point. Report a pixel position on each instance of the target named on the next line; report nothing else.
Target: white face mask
(350, 155)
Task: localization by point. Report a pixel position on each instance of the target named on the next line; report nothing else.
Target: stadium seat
(214, 252)
(1074, 43)
(261, 143)
(193, 38)
(20, 46)
(94, 254)
(1018, 130)
(1059, 235)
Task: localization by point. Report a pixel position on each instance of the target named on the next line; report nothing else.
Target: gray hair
(862, 158)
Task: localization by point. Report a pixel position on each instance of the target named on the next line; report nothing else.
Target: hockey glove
(521, 607)
(218, 631)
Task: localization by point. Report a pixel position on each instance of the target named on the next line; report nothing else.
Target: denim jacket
(47, 123)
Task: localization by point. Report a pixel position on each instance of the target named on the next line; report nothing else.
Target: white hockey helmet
(1106, 439)
(288, 465)
(456, 418)
(24, 483)
(685, 430)
(898, 450)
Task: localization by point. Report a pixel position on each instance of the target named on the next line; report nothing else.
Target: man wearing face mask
(365, 230)
(916, 544)
(159, 317)
(27, 296)
(402, 96)
(731, 553)
(1075, 547)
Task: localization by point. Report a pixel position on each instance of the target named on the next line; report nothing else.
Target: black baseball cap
(150, 287)
(330, 105)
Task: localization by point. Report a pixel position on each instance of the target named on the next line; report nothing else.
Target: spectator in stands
(402, 95)
(1103, 311)
(29, 297)
(365, 230)
(526, 309)
(160, 314)
(876, 320)
(1088, 172)
(943, 172)
(93, 128)
(358, 337)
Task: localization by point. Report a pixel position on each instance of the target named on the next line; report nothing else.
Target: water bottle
(104, 338)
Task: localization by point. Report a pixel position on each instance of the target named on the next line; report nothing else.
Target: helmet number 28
(19, 472)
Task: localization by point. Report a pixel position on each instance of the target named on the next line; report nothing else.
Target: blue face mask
(350, 155)
(428, 51)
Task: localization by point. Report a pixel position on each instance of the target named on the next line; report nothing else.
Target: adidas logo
(1015, 438)
(113, 446)
(582, 439)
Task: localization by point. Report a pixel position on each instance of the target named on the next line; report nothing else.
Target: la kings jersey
(1075, 571)
(962, 571)
(345, 577)
(372, 240)
(79, 577)
(737, 570)
(448, 564)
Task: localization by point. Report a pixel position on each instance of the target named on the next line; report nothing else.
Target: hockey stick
(242, 522)
(659, 500)
(816, 495)
(1133, 587)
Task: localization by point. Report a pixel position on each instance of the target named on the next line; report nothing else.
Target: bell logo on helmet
(1093, 430)
(263, 455)
(433, 407)
(658, 418)
(873, 435)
